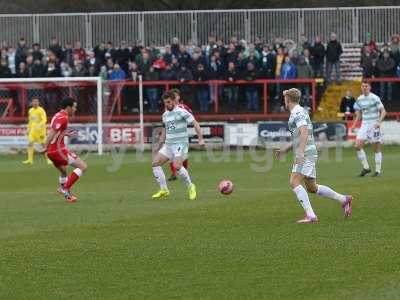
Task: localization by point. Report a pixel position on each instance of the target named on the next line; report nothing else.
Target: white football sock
(62, 180)
(184, 174)
(363, 158)
(327, 192)
(160, 177)
(378, 162)
(302, 196)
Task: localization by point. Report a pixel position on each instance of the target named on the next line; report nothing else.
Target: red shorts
(62, 157)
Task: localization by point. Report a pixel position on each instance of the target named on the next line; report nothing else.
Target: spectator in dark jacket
(168, 73)
(167, 55)
(22, 71)
(347, 103)
(304, 71)
(38, 70)
(184, 75)
(100, 52)
(318, 55)
(333, 52)
(267, 62)
(368, 60)
(201, 75)
(5, 71)
(232, 91)
(79, 69)
(22, 52)
(152, 91)
(386, 68)
(251, 90)
(36, 52)
(53, 70)
(56, 48)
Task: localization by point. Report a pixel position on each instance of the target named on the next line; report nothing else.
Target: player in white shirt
(371, 111)
(305, 159)
(174, 145)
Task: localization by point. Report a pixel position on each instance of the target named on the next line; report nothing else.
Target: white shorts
(174, 151)
(368, 132)
(308, 169)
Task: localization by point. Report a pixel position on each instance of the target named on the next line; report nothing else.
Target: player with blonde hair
(305, 159)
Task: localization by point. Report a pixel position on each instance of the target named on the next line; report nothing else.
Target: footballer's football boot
(161, 194)
(307, 220)
(192, 192)
(347, 206)
(364, 172)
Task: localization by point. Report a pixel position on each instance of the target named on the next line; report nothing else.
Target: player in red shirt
(58, 153)
(179, 100)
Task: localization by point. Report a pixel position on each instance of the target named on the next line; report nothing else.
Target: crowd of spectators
(381, 62)
(225, 60)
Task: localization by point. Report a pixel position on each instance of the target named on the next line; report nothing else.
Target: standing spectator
(5, 71)
(395, 48)
(184, 75)
(267, 62)
(333, 52)
(168, 73)
(123, 55)
(347, 104)
(52, 70)
(38, 69)
(231, 53)
(200, 75)
(79, 70)
(100, 52)
(11, 60)
(29, 64)
(386, 68)
(117, 73)
(152, 91)
(304, 71)
(318, 55)
(22, 52)
(79, 52)
(303, 44)
(92, 61)
(368, 60)
(36, 52)
(134, 71)
(288, 69)
(183, 57)
(22, 71)
(175, 46)
(232, 91)
(167, 55)
(370, 44)
(69, 54)
(56, 48)
(66, 70)
(215, 70)
(143, 61)
(110, 51)
(251, 90)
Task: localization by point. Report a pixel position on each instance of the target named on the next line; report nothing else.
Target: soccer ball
(225, 187)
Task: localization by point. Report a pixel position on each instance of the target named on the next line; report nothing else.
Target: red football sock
(173, 170)
(186, 164)
(72, 178)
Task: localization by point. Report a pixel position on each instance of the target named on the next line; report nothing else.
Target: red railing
(216, 113)
(21, 99)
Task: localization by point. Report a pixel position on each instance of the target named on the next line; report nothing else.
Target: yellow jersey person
(36, 129)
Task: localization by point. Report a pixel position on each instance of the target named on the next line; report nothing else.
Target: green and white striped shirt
(176, 122)
(369, 106)
(298, 118)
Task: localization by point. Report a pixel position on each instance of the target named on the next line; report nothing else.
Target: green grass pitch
(117, 243)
